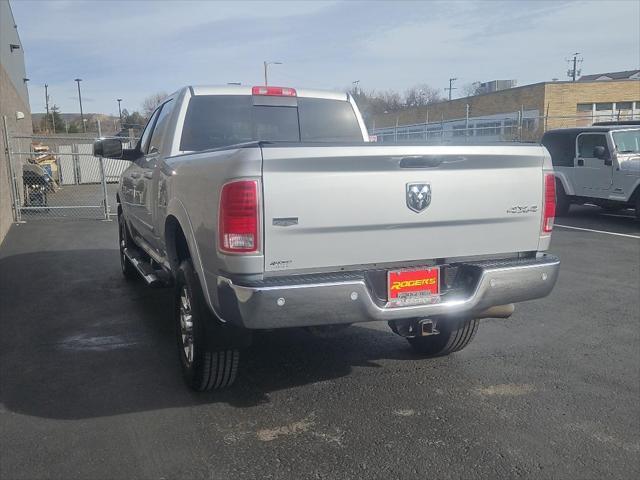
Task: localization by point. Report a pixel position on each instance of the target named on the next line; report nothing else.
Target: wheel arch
(177, 229)
(561, 178)
(176, 242)
(636, 193)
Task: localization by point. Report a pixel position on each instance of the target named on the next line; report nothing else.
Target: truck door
(133, 187)
(150, 174)
(593, 176)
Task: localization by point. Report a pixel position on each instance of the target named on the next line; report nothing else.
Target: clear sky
(132, 49)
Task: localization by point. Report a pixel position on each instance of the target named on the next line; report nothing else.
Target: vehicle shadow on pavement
(587, 216)
(81, 342)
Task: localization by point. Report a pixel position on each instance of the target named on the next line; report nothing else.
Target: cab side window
(161, 125)
(587, 142)
(143, 144)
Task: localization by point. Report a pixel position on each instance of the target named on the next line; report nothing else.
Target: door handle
(148, 175)
(580, 162)
(135, 175)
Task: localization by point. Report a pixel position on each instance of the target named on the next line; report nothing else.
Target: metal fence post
(105, 194)
(15, 200)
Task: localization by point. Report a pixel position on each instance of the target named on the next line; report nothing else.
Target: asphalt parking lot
(91, 388)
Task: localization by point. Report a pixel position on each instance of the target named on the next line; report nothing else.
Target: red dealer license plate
(414, 285)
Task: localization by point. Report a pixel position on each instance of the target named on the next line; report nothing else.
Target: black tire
(562, 201)
(454, 336)
(638, 207)
(204, 368)
(125, 241)
(613, 208)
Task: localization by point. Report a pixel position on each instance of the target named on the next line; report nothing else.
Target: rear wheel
(124, 242)
(638, 207)
(454, 336)
(203, 366)
(562, 201)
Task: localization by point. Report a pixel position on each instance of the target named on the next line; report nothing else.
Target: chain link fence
(521, 126)
(57, 176)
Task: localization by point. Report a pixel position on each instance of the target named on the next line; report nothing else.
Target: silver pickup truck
(267, 207)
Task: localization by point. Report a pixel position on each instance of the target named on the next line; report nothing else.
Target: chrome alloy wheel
(186, 325)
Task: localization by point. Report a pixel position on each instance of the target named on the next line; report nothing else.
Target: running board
(151, 276)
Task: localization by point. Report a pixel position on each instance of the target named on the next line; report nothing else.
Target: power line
(451, 87)
(574, 72)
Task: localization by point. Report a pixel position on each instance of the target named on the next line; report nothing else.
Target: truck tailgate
(334, 206)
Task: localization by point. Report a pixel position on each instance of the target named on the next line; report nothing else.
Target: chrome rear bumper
(350, 300)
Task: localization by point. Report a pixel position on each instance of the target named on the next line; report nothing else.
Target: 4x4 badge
(418, 196)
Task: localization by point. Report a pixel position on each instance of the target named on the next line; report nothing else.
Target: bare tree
(471, 89)
(371, 103)
(151, 103)
(421, 95)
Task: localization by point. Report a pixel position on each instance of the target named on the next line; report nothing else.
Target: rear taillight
(549, 212)
(274, 91)
(238, 217)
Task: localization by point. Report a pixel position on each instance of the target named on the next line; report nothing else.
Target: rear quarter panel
(194, 183)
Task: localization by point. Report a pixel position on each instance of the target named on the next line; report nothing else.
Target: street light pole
(119, 111)
(46, 101)
(84, 127)
(266, 67)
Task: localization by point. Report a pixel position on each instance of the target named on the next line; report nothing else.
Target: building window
(585, 107)
(509, 126)
(488, 128)
(529, 124)
(604, 106)
(459, 130)
(623, 106)
(434, 132)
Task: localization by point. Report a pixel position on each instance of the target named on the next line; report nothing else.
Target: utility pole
(574, 72)
(451, 87)
(119, 111)
(266, 67)
(46, 101)
(84, 127)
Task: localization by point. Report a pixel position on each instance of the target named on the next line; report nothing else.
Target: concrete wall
(13, 97)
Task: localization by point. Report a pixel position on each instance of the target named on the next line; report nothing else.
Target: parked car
(598, 165)
(267, 207)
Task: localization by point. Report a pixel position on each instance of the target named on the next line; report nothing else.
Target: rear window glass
(328, 120)
(214, 121)
(561, 147)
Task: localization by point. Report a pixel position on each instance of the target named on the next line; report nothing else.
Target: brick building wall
(14, 97)
(10, 103)
(560, 98)
(531, 97)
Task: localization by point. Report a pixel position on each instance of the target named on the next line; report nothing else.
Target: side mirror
(107, 147)
(599, 152)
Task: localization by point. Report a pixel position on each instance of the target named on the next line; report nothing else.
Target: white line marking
(598, 231)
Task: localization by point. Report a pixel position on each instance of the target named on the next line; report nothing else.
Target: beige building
(521, 112)
(14, 103)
